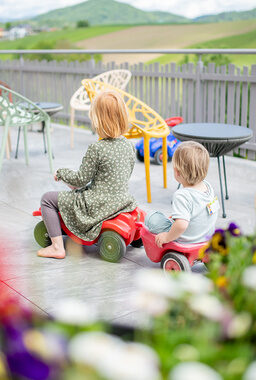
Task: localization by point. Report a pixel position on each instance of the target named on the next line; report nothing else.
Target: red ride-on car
(173, 256)
(115, 234)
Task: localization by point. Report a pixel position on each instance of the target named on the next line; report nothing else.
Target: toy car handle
(37, 212)
(172, 121)
(139, 225)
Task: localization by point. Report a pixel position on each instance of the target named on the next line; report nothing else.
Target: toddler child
(107, 165)
(194, 206)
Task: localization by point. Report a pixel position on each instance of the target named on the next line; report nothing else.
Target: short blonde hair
(109, 114)
(191, 159)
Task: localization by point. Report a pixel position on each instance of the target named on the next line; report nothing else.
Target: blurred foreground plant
(194, 326)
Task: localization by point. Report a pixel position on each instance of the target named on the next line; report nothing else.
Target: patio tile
(7, 291)
(105, 285)
(139, 256)
(14, 220)
(83, 274)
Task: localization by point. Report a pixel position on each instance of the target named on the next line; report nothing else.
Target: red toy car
(115, 234)
(173, 256)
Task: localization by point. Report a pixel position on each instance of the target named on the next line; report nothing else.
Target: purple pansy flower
(234, 229)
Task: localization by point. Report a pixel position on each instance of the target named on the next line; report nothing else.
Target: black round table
(49, 108)
(218, 139)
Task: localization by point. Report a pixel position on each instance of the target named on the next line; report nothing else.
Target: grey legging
(49, 208)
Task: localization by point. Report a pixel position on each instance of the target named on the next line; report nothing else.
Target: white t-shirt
(191, 204)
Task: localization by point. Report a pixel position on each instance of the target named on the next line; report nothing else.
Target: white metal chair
(80, 100)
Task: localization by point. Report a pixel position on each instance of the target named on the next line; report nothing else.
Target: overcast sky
(188, 8)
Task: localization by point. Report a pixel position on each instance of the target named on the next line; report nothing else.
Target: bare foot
(52, 252)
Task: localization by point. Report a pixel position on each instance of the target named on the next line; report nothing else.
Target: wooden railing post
(198, 92)
(21, 59)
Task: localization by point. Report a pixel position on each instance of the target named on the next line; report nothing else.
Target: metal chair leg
(17, 145)
(25, 131)
(48, 136)
(221, 190)
(45, 149)
(4, 141)
(9, 144)
(7, 149)
(225, 178)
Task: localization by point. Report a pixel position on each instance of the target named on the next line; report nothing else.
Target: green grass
(240, 41)
(71, 34)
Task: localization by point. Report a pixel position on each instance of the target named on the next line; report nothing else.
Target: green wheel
(41, 235)
(112, 246)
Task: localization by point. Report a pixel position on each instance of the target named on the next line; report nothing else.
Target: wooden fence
(195, 92)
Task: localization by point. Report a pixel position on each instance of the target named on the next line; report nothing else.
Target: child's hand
(55, 177)
(161, 239)
(72, 187)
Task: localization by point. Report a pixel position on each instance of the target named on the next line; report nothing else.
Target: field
(236, 34)
(71, 35)
(167, 37)
(241, 41)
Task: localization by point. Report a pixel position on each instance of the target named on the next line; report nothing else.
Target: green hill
(228, 16)
(103, 12)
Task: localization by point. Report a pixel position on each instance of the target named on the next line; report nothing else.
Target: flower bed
(197, 327)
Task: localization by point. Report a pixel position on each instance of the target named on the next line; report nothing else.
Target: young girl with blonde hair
(107, 165)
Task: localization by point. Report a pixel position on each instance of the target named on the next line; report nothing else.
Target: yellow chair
(144, 121)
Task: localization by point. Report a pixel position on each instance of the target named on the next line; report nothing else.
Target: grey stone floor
(42, 282)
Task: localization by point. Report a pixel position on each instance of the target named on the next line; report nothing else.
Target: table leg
(17, 145)
(225, 178)
(221, 190)
(147, 164)
(43, 130)
(48, 135)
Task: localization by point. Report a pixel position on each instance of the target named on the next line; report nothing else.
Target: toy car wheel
(137, 243)
(111, 246)
(177, 262)
(139, 156)
(158, 157)
(41, 235)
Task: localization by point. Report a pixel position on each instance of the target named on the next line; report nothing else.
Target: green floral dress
(107, 165)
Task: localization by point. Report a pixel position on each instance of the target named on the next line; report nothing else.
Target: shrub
(82, 24)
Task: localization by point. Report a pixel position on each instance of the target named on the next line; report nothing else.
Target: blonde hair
(109, 114)
(191, 159)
